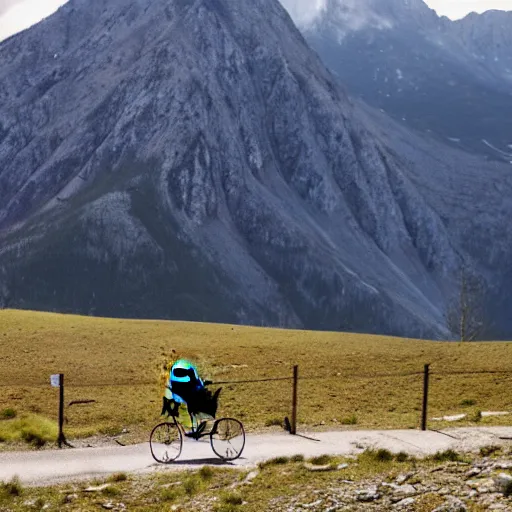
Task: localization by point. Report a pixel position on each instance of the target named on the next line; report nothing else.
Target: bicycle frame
(196, 433)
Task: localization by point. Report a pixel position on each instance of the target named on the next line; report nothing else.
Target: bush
(477, 417)
(232, 498)
(274, 422)
(118, 477)
(276, 461)
(297, 458)
(321, 460)
(30, 428)
(447, 455)
(169, 494)
(401, 457)
(191, 486)
(8, 414)
(351, 420)
(487, 451)
(206, 473)
(468, 402)
(12, 488)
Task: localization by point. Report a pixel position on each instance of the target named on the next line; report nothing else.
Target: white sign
(55, 381)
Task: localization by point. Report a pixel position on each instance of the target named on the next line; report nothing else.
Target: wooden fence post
(293, 429)
(426, 375)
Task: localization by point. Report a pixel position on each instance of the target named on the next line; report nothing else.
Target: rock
(342, 466)
(406, 490)
(473, 472)
(406, 502)
(498, 506)
(313, 505)
(99, 488)
(503, 483)
(108, 506)
(251, 476)
(314, 467)
(452, 505)
(70, 497)
(367, 495)
(401, 479)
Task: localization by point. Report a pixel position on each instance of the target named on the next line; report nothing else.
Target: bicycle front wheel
(166, 442)
(227, 438)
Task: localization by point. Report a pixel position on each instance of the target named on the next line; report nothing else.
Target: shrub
(274, 422)
(111, 491)
(191, 486)
(232, 498)
(169, 494)
(401, 457)
(30, 428)
(477, 417)
(12, 488)
(276, 461)
(351, 420)
(206, 473)
(321, 460)
(297, 458)
(118, 477)
(487, 451)
(8, 414)
(468, 402)
(447, 455)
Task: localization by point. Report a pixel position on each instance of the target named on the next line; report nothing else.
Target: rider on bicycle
(186, 387)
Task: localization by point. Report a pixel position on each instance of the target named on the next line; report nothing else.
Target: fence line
(341, 376)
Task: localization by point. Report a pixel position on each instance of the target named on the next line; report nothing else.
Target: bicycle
(227, 438)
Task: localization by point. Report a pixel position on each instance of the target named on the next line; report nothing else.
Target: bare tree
(466, 311)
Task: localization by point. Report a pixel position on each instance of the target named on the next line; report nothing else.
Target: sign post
(57, 381)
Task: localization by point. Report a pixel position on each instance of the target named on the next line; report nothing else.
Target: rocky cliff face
(488, 37)
(195, 160)
(448, 80)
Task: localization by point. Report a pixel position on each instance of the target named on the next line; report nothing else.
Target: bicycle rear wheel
(228, 438)
(166, 442)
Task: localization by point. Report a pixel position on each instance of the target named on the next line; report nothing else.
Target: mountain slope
(195, 160)
(448, 80)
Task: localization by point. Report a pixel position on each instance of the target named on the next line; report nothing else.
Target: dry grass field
(349, 379)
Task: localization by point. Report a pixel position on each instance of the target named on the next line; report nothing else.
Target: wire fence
(381, 400)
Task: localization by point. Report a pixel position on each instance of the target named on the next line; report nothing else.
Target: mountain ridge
(215, 172)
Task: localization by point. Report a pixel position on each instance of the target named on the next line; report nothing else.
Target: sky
(16, 15)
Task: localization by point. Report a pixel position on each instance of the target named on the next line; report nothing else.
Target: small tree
(467, 310)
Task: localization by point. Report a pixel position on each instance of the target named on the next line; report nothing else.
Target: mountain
(488, 37)
(195, 160)
(449, 80)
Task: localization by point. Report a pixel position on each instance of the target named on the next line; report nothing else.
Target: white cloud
(459, 8)
(303, 11)
(17, 15)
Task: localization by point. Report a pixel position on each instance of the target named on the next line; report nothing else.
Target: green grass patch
(274, 422)
(11, 489)
(8, 414)
(118, 477)
(349, 420)
(447, 456)
(232, 498)
(322, 460)
(191, 485)
(206, 473)
(33, 429)
(276, 461)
